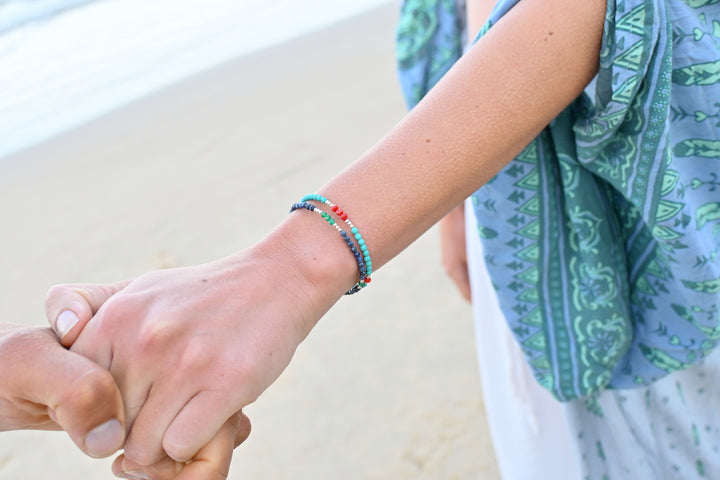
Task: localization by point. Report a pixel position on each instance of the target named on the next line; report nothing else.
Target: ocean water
(65, 62)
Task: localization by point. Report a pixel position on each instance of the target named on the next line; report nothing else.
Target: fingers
(210, 463)
(242, 427)
(164, 469)
(151, 419)
(453, 252)
(69, 307)
(460, 276)
(195, 425)
(80, 396)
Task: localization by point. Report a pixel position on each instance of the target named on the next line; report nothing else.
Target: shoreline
(140, 49)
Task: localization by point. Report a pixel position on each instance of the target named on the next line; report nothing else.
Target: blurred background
(132, 135)
(65, 62)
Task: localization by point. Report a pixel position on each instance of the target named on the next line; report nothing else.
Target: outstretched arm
(189, 347)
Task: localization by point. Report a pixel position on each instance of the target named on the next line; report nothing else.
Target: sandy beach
(386, 386)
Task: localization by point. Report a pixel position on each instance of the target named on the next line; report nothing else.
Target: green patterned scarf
(603, 237)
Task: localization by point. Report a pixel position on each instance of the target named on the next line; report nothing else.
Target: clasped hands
(174, 354)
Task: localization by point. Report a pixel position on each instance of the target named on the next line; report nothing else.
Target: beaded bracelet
(343, 216)
(362, 256)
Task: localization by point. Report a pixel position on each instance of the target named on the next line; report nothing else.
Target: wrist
(306, 256)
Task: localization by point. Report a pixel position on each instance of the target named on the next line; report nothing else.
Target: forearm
(480, 116)
(485, 110)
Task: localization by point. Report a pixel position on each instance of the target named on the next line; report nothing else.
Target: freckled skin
(474, 139)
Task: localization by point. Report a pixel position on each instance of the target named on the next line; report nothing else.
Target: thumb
(81, 397)
(70, 307)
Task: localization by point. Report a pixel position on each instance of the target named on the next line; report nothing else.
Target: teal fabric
(603, 237)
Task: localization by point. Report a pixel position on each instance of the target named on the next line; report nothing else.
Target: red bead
(340, 212)
(334, 208)
(367, 279)
(344, 216)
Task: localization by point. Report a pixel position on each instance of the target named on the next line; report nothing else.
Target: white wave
(63, 72)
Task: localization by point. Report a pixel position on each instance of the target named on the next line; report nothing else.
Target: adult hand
(452, 249)
(75, 305)
(45, 387)
(191, 346)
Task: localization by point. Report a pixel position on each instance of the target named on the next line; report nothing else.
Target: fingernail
(105, 439)
(134, 476)
(65, 322)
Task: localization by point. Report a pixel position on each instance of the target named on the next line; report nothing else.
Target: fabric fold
(602, 237)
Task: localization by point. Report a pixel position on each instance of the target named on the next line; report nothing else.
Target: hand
(76, 305)
(45, 387)
(452, 248)
(211, 462)
(188, 347)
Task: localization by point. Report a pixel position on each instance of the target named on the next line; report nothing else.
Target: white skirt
(529, 429)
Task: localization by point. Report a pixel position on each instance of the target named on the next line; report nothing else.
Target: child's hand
(212, 462)
(45, 387)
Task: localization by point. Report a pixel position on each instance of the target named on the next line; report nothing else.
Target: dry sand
(386, 387)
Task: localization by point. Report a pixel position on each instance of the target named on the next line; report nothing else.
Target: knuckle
(157, 335)
(116, 312)
(152, 336)
(194, 356)
(91, 390)
(118, 308)
(17, 342)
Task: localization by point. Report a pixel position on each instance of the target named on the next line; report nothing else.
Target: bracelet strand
(364, 276)
(353, 229)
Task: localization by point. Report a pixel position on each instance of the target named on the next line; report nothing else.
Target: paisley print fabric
(429, 40)
(602, 238)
